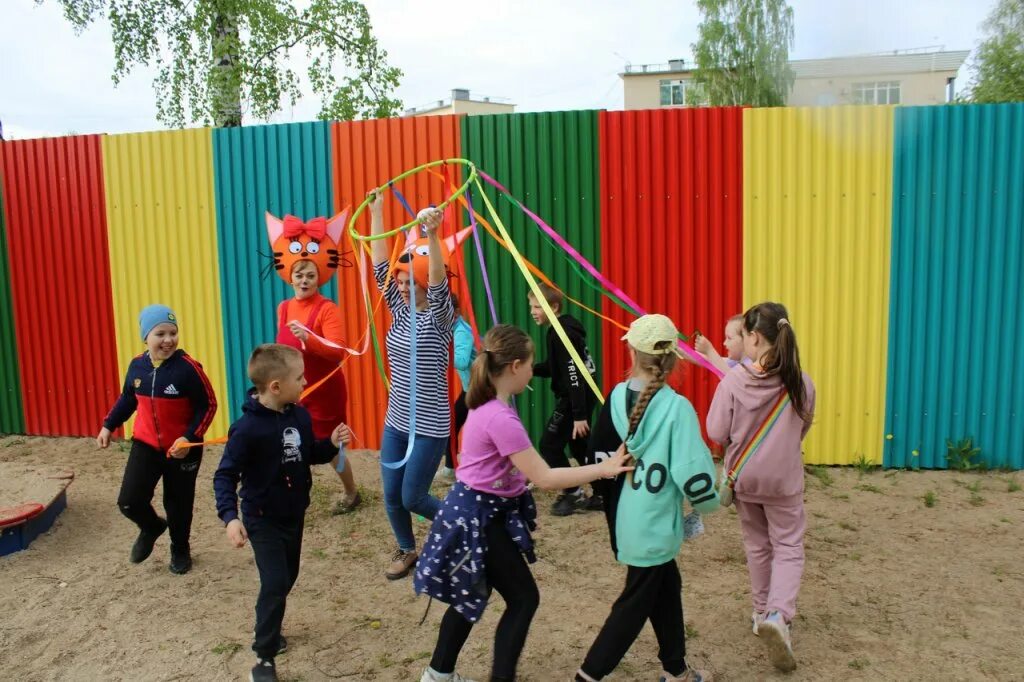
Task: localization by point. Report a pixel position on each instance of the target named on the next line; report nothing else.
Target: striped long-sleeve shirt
(434, 330)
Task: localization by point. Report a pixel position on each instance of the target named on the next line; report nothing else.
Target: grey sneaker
(775, 632)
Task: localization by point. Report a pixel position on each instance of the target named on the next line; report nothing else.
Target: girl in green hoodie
(659, 428)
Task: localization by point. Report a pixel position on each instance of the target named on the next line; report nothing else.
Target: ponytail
(770, 320)
(503, 345)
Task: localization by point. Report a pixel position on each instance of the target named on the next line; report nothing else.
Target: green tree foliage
(742, 52)
(998, 69)
(218, 58)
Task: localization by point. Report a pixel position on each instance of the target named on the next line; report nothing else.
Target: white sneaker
(756, 618)
(775, 633)
(431, 675)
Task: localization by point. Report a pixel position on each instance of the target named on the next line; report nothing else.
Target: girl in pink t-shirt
(480, 539)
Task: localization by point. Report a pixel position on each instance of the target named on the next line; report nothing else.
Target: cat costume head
(316, 240)
(418, 251)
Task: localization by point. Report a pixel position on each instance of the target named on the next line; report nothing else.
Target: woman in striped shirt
(407, 488)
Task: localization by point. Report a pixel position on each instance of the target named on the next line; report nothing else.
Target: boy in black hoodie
(569, 423)
(270, 449)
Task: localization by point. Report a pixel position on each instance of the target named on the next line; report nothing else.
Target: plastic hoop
(471, 176)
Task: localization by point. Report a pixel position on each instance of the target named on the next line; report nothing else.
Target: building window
(673, 92)
(884, 92)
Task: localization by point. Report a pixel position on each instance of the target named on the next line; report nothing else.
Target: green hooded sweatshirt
(672, 461)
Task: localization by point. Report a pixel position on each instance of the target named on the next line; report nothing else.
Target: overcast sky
(544, 55)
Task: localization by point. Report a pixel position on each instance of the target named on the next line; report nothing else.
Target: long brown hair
(503, 345)
(771, 320)
(659, 366)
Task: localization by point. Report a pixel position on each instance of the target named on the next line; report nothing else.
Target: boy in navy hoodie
(270, 450)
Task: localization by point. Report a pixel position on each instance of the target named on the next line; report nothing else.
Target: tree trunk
(225, 81)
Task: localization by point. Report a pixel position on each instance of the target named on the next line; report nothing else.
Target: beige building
(461, 103)
(904, 77)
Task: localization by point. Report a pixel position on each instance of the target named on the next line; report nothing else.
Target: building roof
(908, 61)
(874, 64)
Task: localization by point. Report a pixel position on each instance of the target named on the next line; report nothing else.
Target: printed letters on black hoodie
(567, 383)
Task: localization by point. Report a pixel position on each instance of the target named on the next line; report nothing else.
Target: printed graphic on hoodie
(291, 442)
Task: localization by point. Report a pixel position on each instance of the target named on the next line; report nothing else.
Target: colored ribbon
(539, 296)
(558, 239)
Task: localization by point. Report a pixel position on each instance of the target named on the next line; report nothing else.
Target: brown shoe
(401, 563)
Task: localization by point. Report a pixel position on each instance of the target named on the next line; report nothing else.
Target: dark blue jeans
(407, 489)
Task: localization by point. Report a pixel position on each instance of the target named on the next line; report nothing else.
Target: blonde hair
(503, 345)
(659, 367)
(269, 362)
(552, 295)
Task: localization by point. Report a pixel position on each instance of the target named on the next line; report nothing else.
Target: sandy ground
(893, 589)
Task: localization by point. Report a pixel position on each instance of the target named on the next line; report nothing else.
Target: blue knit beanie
(152, 315)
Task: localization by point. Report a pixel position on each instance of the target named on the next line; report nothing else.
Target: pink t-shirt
(492, 432)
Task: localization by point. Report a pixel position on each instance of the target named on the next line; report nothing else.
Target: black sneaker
(593, 503)
(282, 645)
(565, 505)
(263, 671)
(181, 560)
(143, 546)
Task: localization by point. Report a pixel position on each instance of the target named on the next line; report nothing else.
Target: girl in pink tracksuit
(769, 490)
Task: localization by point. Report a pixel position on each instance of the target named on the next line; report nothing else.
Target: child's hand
(103, 440)
(580, 429)
(341, 435)
(236, 533)
(176, 450)
(618, 463)
(296, 329)
(377, 203)
(430, 218)
(703, 346)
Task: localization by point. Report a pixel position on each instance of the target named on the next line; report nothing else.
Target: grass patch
(864, 464)
(929, 499)
(847, 526)
(227, 648)
(15, 441)
(691, 632)
(1012, 486)
(974, 487)
(822, 474)
(868, 488)
(976, 500)
(858, 664)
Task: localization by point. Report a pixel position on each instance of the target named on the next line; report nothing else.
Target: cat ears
(456, 239)
(335, 226)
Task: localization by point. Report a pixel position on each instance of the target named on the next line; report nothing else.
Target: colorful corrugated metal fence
(284, 169)
(163, 246)
(549, 161)
(672, 226)
(12, 419)
(693, 212)
(958, 249)
(60, 282)
(816, 225)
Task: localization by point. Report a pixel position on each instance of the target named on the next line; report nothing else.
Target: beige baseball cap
(648, 331)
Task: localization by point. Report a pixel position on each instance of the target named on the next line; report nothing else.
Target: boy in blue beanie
(174, 404)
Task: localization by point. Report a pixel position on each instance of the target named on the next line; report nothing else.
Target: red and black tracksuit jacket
(173, 400)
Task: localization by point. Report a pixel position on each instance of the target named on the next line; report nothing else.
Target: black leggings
(652, 593)
(509, 574)
(146, 465)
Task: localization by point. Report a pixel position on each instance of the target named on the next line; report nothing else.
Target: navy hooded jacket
(270, 452)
